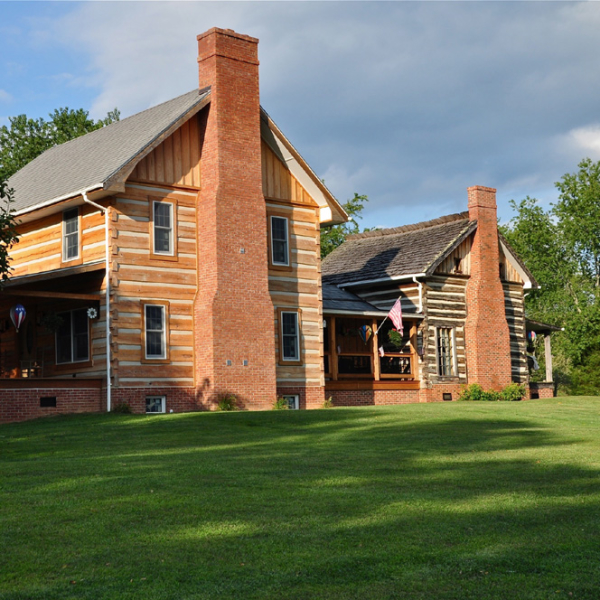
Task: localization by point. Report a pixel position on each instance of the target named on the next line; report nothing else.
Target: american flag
(396, 316)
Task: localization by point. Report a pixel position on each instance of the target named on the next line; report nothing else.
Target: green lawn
(453, 500)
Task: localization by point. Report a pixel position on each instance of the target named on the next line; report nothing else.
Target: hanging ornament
(365, 333)
(531, 336)
(92, 313)
(17, 315)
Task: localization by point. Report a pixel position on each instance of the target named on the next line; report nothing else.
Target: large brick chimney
(234, 316)
(487, 337)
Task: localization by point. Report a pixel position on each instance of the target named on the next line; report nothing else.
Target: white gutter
(382, 280)
(420, 284)
(83, 193)
(104, 210)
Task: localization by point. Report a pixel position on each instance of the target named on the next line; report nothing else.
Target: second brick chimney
(234, 316)
(487, 338)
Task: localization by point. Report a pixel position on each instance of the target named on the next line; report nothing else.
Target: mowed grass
(453, 501)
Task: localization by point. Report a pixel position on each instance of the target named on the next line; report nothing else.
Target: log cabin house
(173, 257)
(170, 258)
(461, 289)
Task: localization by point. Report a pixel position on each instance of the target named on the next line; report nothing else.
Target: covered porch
(60, 316)
(362, 350)
(534, 329)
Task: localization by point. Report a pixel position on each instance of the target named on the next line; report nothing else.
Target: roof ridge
(410, 228)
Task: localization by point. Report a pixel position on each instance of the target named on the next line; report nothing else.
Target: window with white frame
(446, 352)
(162, 217)
(156, 404)
(280, 250)
(73, 337)
(293, 401)
(155, 331)
(70, 250)
(290, 336)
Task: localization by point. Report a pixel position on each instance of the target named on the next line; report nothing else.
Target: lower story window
(446, 351)
(73, 337)
(293, 401)
(155, 331)
(289, 328)
(156, 404)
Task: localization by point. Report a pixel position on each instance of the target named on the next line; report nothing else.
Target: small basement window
(293, 401)
(156, 404)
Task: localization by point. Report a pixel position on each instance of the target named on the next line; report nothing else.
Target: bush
(281, 404)
(122, 408)
(474, 392)
(513, 392)
(227, 403)
(328, 403)
(471, 393)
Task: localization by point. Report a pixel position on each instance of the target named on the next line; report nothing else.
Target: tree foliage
(8, 235)
(26, 138)
(561, 247)
(333, 236)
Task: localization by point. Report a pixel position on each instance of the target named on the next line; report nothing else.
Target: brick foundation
(541, 390)
(309, 397)
(21, 403)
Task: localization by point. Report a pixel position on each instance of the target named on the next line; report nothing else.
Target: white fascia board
(302, 172)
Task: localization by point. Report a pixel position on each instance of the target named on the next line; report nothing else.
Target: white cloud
(585, 141)
(5, 96)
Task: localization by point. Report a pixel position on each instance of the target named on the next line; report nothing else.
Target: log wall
(297, 287)
(138, 276)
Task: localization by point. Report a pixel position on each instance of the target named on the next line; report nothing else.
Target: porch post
(548, 356)
(333, 354)
(376, 363)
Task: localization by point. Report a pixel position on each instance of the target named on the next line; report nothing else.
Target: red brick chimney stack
(487, 336)
(234, 316)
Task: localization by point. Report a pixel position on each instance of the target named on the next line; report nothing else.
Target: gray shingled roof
(93, 159)
(405, 250)
(335, 299)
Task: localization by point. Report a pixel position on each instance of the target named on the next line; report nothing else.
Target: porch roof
(539, 327)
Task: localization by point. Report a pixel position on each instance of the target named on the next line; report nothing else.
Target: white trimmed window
(293, 401)
(290, 336)
(73, 337)
(70, 249)
(162, 217)
(280, 247)
(156, 404)
(446, 352)
(155, 331)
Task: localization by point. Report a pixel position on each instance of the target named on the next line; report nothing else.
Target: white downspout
(420, 284)
(107, 303)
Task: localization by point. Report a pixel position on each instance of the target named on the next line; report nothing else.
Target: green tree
(8, 235)
(333, 235)
(26, 138)
(561, 247)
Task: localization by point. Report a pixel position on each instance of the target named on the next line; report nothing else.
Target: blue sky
(407, 102)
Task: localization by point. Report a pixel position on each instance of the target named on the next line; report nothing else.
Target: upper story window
(163, 229)
(70, 249)
(73, 337)
(446, 352)
(280, 246)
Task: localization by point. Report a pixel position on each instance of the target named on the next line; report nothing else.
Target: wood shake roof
(392, 253)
